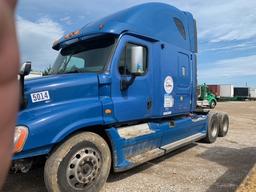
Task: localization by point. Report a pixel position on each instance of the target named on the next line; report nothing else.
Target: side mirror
(25, 68)
(137, 60)
(134, 64)
(24, 71)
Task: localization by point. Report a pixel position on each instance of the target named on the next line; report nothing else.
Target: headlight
(20, 137)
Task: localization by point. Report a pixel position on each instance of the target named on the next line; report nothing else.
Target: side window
(180, 27)
(133, 60)
(75, 63)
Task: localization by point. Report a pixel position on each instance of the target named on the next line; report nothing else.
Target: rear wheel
(213, 128)
(82, 163)
(223, 124)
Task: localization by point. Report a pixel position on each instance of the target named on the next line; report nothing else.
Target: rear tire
(213, 128)
(223, 124)
(82, 163)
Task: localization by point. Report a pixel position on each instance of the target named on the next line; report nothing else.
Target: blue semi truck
(121, 92)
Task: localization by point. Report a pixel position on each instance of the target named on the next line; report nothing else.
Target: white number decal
(40, 96)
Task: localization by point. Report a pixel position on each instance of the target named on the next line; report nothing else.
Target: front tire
(213, 104)
(82, 163)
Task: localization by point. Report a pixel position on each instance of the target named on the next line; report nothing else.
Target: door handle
(149, 104)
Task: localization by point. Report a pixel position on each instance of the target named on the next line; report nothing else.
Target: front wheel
(213, 104)
(82, 163)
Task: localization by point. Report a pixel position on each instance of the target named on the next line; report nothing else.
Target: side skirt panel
(136, 144)
(150, 155)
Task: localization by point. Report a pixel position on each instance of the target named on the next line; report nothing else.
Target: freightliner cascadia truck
(121, 92)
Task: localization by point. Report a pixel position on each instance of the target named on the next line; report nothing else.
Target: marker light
(20, 137)
(72, 34)
(108, 111)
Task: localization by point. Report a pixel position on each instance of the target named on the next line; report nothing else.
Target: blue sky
(226, 32)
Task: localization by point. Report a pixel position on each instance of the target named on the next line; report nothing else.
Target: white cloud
(67, 20)
(229, 68)
(240, 47)
(36, 40)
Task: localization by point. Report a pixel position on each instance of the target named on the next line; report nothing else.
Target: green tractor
(205, 97)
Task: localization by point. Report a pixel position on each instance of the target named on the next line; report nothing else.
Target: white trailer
(252, 93)
(226, 90)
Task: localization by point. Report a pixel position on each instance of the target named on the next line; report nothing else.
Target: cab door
(184, 83)
(132, 79)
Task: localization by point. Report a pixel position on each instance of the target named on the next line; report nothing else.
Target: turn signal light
(20, 137)
(108, 111)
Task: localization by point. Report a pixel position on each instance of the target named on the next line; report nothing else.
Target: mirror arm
(126, 84)
(130, 82)
(22, 85)
(22, 98)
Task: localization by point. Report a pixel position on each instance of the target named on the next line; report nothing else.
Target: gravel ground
(217, 167)
(249, 184)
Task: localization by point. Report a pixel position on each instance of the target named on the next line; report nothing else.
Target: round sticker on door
(168, 84)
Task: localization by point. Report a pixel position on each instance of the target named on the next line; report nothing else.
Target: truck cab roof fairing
(155, 20)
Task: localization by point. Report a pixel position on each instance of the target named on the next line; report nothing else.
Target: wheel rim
(225, 126)
(83, 168)
(214, 130)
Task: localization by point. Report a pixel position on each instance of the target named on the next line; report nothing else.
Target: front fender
(49, 125)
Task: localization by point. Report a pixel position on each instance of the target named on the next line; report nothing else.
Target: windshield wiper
(62, 71)
(67, 61)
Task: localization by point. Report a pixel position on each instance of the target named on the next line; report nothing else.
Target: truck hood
(51, 90)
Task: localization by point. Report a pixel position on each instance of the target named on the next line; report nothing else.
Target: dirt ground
(217, 167)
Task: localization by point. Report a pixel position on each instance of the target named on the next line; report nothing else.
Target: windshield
(86, 56)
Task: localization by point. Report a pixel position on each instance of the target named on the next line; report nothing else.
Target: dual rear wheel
(218, 125)
(223, 124)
